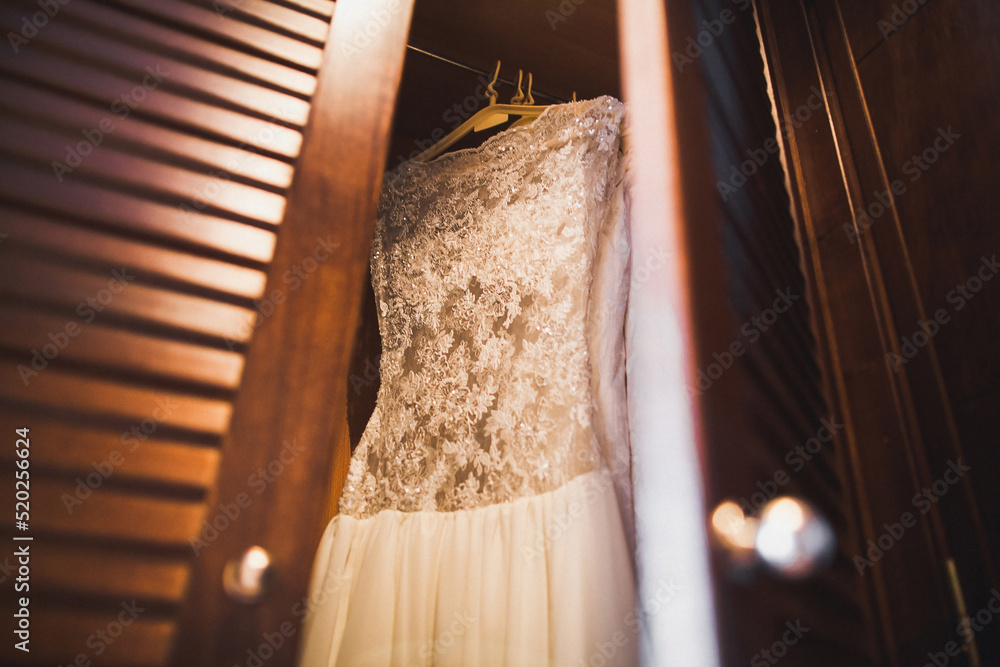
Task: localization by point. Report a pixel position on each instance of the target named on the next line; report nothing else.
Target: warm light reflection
(727, 518)
(793, 538)
(788, 511)
(733, 528)
(256, 558)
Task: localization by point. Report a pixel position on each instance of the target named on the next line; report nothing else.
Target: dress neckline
(506, 139)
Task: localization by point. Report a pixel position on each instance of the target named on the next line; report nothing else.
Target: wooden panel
(247, 37)
(875, 22)
(42, 105)
(31, 186)
(135, 63)
(28, 331)
(195, 48)
(150, 176)
(272, 15)
(932, 130)
(898, 424)
(144, 642)
(129, 286)
(783, 391)
(108, 514)
(55, 389)
(136, 452)
(145, 260)
(118, 294)
(946, 211)
(69, 74)
(322, 8)
(112, 573)
(304, 348)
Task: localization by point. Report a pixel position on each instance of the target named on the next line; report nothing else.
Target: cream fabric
(543, 580)
(486, 518)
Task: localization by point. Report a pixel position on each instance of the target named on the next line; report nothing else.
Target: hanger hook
(574, 96)
(491, 92)
(519, 98)
(528, 99)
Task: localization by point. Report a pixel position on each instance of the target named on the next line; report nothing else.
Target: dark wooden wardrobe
(187, 189)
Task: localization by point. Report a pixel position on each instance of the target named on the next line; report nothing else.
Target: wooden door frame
(865, 292)
(286, 447)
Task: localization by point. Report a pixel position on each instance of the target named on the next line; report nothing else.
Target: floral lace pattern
(482, 264)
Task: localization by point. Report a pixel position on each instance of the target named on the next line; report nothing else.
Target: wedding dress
(486, 516)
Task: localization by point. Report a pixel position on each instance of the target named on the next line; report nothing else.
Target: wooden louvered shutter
(146, 149)
(754, 368)
(789, 437)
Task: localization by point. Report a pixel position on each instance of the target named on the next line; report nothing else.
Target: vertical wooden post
(278, 461)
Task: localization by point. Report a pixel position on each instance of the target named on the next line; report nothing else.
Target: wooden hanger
(522, 104)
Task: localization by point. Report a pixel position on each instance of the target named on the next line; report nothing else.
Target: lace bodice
(483, 264)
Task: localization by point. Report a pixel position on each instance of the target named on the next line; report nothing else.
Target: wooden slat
(107, 514)
(322, 7)
(144, 454)
(135, 63)
(273, 15)
(26, 330)
(223, 160)
(59, 636)
(111, 572)
(246, 66)
(253, 38)
(58, 390)
(84, 79)
(182, 185)
(35, 231)
(185, 193)
(71, 288)
(33, 187)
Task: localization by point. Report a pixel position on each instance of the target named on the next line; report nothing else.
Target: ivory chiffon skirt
(542, 580)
